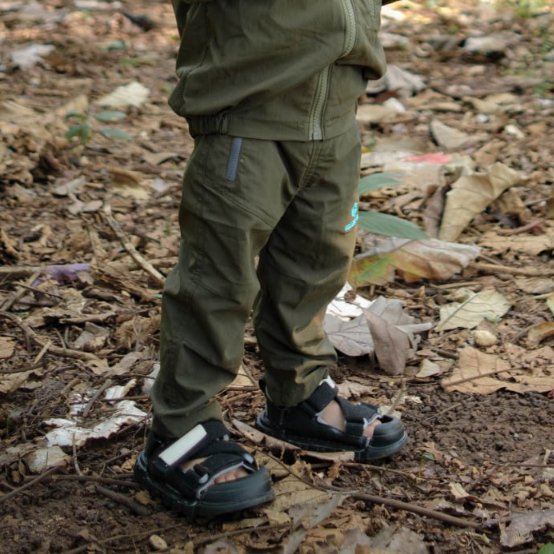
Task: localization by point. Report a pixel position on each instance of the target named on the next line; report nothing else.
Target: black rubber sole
(219, 499)
(318, 445)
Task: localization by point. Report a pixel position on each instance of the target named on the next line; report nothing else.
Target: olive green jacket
(275, 69)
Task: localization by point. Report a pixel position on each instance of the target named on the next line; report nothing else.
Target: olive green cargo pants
(293, 204)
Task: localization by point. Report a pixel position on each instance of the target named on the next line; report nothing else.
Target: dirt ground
(86, 184)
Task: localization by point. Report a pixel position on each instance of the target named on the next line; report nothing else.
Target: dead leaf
(540, 332)
(352, 337)
(393, 346)
(44, 458)
(535, 285)
(221, 546)
(474, 308)
(134, 94)
(530, 244)
(473, 364)
(28, 56)
(396, 79)
(470, 195)
(522, 527)
(412, 260)
(7, 348)
(307, 516)
(399, 540)
(428, 368)
(448, 136)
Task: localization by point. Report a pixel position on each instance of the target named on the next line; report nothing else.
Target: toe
(368, 431)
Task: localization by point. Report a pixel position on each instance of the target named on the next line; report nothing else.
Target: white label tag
(183, 446)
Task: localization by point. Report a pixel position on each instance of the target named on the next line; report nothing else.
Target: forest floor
(89, 194)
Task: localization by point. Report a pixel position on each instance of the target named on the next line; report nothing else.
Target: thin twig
(55, 350)
(139, 259)
(75, 461)
(45, 349)
(18, 294)
(398, 396)
(28, 485)
(94, 479)
(494, 268)
(134, 506)
(96, 396)
(519, 230)
(391, 503)
(475, 377)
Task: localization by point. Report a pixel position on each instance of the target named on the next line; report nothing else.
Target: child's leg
(231, 201)
(302, 268)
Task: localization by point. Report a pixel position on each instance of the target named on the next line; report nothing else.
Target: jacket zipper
(316, 115)
(350, 31)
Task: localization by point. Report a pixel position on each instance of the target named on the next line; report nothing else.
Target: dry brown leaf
(448, 136)
(539, 332)
(7, 348)
(473, 363)
(470, 195)
(522, 527)
(413, 260)
(538, 376)
(530, 244)
(392, 345)
(400, 540)
(471, 310)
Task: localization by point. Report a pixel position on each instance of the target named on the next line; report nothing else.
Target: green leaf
(116, 133)
(81, 130)
(378, 181)
(390, 226)
(110, 116)
(74, 131)
(428, 456)
(78, 115)
(548, 548)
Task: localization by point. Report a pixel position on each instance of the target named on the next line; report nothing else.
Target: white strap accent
(183, 446)
(329, 381)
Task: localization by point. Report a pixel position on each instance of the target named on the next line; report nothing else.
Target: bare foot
(332, 415)
(231, 475)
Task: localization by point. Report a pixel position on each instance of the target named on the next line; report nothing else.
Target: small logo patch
(355, 215)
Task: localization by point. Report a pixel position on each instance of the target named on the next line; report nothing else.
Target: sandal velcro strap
(190, 444)
(323, 395)
(358, 416)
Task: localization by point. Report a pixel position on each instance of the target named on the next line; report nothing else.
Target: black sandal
(193, 492)
(301, 426)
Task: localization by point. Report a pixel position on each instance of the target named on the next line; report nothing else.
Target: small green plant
(423, 458)
(548, 548)
(82, 128)
(384, 224)
(524, 9)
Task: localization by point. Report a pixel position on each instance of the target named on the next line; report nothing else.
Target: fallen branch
(135, 507)
(28, 485)
(55, 350)
(19, 293)
(527, 271)
(399, 505)
(475, 377)
(96, 396)
(94, 479)
(391, 503)
(139, 259)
